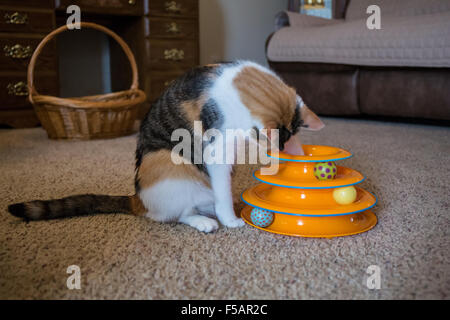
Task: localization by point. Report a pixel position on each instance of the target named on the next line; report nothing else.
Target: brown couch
(340, 67)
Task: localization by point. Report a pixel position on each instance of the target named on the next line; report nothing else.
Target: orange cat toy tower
(310, 196)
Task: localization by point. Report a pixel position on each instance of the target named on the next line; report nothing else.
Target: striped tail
(77, 206)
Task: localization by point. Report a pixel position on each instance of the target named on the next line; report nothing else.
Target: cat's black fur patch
(211, 116)
(166, 115)
(297, 121)
(285, 134)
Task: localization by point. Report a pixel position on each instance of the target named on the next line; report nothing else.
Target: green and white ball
(261, 218)
(325, 170)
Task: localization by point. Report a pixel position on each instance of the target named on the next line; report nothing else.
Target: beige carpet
(407, 167)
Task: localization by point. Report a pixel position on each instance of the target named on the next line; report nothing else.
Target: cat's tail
(77, 206)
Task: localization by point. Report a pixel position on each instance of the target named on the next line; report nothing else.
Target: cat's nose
(294, 152)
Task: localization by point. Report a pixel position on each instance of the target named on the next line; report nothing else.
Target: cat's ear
(310, 120)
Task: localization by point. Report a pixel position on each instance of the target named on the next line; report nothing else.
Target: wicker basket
(93, 117)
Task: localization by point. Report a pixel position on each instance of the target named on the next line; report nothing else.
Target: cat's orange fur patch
(193, 108)
(158, 166)
(137, 207)
(266, 96)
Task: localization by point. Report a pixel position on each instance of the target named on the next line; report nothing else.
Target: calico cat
(239, 95)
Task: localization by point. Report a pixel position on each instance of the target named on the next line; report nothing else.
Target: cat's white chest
(235, 114)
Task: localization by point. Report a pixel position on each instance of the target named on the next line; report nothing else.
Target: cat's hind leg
(185, 201)
(176, 192)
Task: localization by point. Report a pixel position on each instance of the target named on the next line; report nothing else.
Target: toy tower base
(304, 206)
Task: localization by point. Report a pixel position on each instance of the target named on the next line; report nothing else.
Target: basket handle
(51, 35)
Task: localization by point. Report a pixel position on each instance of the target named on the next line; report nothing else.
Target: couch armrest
(294, 19)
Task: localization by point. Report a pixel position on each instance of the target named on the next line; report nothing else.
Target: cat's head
(289, 136)
(275, 105)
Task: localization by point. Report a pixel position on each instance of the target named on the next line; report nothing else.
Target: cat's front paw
(201, 223)
(227, 217)
(233, 223)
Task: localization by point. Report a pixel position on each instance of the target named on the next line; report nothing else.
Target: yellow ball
(344, 195)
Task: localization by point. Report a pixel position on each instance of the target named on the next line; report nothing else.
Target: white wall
(236, 29)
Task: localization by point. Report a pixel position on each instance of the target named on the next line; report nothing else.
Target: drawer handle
(173, 7)
(16, 18)
(168, 83)
(174, 54)
(19, 89)
(172, 27)
(18, 51)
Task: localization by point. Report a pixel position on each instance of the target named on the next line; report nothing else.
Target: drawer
(16, 52)
(171, 28)
(30, 3)
(26, 21)
(174, 55)
(19, 118)
(118, 7)
(174, 8)
(158, 82)
(14, 91)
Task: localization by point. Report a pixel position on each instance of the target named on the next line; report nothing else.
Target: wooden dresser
(172, 42)
(22, 25)
(163, 35)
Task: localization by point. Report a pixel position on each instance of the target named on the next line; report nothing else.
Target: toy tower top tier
(315, 154)
(298, 171)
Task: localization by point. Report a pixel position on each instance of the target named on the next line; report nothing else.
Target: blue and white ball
(261, 218)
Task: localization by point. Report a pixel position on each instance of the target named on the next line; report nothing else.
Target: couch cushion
(420, 41)
(413, 93)
(357, 8)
